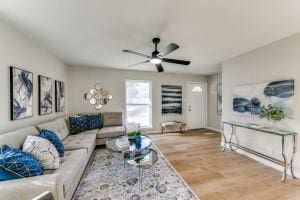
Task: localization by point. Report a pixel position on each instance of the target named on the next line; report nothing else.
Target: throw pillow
(43, 150)
(94, 121)
(78, 124)
(54, 139)
(15, 163)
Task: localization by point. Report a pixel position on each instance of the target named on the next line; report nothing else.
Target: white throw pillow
(42, 150)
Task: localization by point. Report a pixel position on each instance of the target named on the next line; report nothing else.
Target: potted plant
(272, 113)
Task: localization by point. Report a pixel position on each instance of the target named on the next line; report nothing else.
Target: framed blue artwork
(45, 95)
(21, 93)
(248, 100)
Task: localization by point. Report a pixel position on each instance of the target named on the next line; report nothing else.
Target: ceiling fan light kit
(157, 57)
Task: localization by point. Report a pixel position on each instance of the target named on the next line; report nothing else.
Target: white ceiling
(94, 32)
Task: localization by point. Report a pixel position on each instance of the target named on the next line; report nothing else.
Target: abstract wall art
(219, 98)
(21, 92)
(45, 95)
(249, 99)
(171, 99)
(59, 96)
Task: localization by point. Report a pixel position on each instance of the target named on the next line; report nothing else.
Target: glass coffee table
(122, 144)
(141, 156)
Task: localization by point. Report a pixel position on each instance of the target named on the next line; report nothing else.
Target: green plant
(133, 134)
(272, 112)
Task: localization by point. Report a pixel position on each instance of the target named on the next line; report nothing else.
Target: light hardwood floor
(215, 175)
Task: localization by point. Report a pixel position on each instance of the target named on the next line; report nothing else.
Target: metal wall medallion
(98, 96)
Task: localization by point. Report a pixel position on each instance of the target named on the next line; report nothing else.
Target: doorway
(196, 105)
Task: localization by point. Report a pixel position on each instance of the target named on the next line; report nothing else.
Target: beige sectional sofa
(63, 181)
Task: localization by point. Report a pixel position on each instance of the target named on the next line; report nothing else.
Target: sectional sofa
(63, 181)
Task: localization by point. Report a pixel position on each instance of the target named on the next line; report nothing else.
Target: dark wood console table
(286, 163)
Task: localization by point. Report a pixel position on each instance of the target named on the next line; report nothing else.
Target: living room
(176, 100)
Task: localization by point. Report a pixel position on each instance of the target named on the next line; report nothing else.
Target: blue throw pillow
(78, 124)
(54, 139)
(94, 122)
(15, 163)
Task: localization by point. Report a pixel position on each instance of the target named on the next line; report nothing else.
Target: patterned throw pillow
(54, 139)
(15, 163)
(78, 124)
(94, 121)
(43, 150)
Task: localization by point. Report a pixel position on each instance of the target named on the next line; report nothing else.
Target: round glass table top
(144, 159)
(122, 144)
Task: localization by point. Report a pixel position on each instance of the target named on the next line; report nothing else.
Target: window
(139, 102)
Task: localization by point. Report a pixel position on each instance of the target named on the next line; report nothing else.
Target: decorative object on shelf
(45, 95)
(171, 99)
(219, 98)
(21, 92)
(272, 113)
(249, 99)
(98, 96)
(59, 96)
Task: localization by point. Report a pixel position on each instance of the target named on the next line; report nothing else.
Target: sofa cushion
(85, 140)
(55, 140)
(112, 119)
(78, 124)
(17, 164)
(71, 166)
(111, 131)
(94, 121)
(16, 138)
(58, 126)
(62, 128)
(42, 150)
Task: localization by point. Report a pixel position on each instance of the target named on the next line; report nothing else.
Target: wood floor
(215, 175)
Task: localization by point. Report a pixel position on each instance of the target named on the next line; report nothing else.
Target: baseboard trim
(214, 129)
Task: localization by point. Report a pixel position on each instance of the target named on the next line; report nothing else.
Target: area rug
(106, 178)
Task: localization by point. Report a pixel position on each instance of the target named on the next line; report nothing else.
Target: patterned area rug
(107, 179)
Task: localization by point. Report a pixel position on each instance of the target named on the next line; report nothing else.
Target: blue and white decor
(45, 95)
(21, 92)
(59, 96)
(171, 99)
(54, 139)
(15, 164)
(42, 150)
(248, 99)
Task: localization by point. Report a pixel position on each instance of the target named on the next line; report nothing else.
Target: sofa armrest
(29, 188)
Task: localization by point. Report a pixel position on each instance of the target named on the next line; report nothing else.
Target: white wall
(81, 79)
(213, 118)
(17, 50)
(279, 60)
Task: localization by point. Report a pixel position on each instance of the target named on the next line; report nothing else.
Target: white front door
(196, 105)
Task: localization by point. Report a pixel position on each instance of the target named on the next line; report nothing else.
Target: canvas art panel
(171, 99)
(45, 95)
(21, 92)
(249, 99)
(219, 98)
(59, 96)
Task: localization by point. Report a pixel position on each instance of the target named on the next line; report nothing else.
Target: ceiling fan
(157, 57)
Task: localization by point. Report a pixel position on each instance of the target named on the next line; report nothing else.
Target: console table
(286, 163)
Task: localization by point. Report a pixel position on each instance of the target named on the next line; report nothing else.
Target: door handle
(190, 109)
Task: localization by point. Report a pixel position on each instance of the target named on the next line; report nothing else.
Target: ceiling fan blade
(169, 49)
(146, 61)
(180, 62)
(159, 68)
(136, 53)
